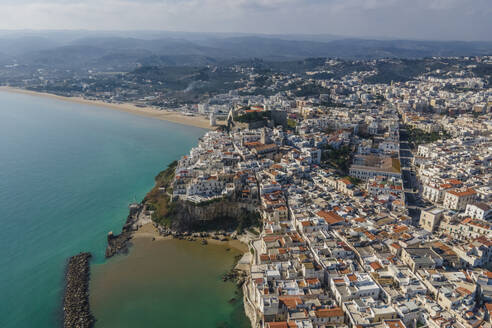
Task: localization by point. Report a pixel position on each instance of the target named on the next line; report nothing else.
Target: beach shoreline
(164, 115)
(149, 231)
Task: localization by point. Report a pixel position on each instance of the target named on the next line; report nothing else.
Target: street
(410, 182)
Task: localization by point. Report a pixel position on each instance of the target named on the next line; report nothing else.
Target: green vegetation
(355, 181)
(339, 159)
(254, 231)
(166, 211)
(419, 137)
(403, 70)
(244, 221)
(254, 117)
(484, 71)
(180, 84)
(303, 89)
(248, 219)
(211, 201)
(159, 200)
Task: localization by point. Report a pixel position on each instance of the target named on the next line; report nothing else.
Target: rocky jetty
(119, 243)
(76, 310)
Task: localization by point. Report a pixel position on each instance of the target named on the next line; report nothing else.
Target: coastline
(140, 229)
(148, 230)
(164, 282)
(164, 115)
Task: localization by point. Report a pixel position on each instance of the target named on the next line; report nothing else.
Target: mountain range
(123, 51)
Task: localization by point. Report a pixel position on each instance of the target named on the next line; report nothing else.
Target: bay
(167, 283)
(67, 174)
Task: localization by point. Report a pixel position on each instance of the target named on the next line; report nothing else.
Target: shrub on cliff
(159, 201)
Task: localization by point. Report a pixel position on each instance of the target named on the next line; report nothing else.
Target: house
(365, 167)
(329, 317)
(477, 253)
(331, 218)
(420, 258)
(430, 218)
(479, 211)
(353, 286)
(457, 199)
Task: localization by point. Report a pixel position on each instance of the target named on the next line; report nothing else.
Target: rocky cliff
(119, 243)
(219, 214)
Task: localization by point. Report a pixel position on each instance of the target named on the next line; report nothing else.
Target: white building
(479, 211)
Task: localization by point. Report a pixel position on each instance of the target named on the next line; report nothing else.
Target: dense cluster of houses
(343, 251)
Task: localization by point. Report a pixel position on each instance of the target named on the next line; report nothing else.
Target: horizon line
(334, 37)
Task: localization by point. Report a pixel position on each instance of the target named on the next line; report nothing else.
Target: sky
(405, 19)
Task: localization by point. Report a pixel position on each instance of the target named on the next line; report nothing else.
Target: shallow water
(167, 283)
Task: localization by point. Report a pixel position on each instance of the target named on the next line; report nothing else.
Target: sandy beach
(197, 121)
(149, 231)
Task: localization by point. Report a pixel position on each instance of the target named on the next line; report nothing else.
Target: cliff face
(218, 214)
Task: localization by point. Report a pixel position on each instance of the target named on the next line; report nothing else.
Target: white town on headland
(374, 194)
(375, 199)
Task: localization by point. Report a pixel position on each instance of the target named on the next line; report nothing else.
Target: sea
(68, 172)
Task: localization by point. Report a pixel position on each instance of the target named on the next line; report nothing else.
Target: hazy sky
(415, 19)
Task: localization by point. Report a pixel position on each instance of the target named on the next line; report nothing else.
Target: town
(375, 198)
(371, 179)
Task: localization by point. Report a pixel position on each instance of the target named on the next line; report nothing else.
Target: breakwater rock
(76, 311)
(119, 243)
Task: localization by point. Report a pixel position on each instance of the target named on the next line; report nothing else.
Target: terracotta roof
(375, 266)
(330, 217)
(269, 239)
(463, 291)
(290, 302)
(395, 245)
(462, 193)
(329, 313)
(394, 323)
(313, 281)
(455, 182)
(352, 277)
(345, 181)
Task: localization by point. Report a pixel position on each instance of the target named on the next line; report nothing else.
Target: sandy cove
(165, 115)
(149, 231)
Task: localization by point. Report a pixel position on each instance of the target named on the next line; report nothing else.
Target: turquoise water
(67, 174)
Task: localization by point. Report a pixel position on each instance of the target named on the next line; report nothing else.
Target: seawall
(76, 310)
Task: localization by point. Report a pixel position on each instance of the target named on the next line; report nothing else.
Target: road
(410, 180)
